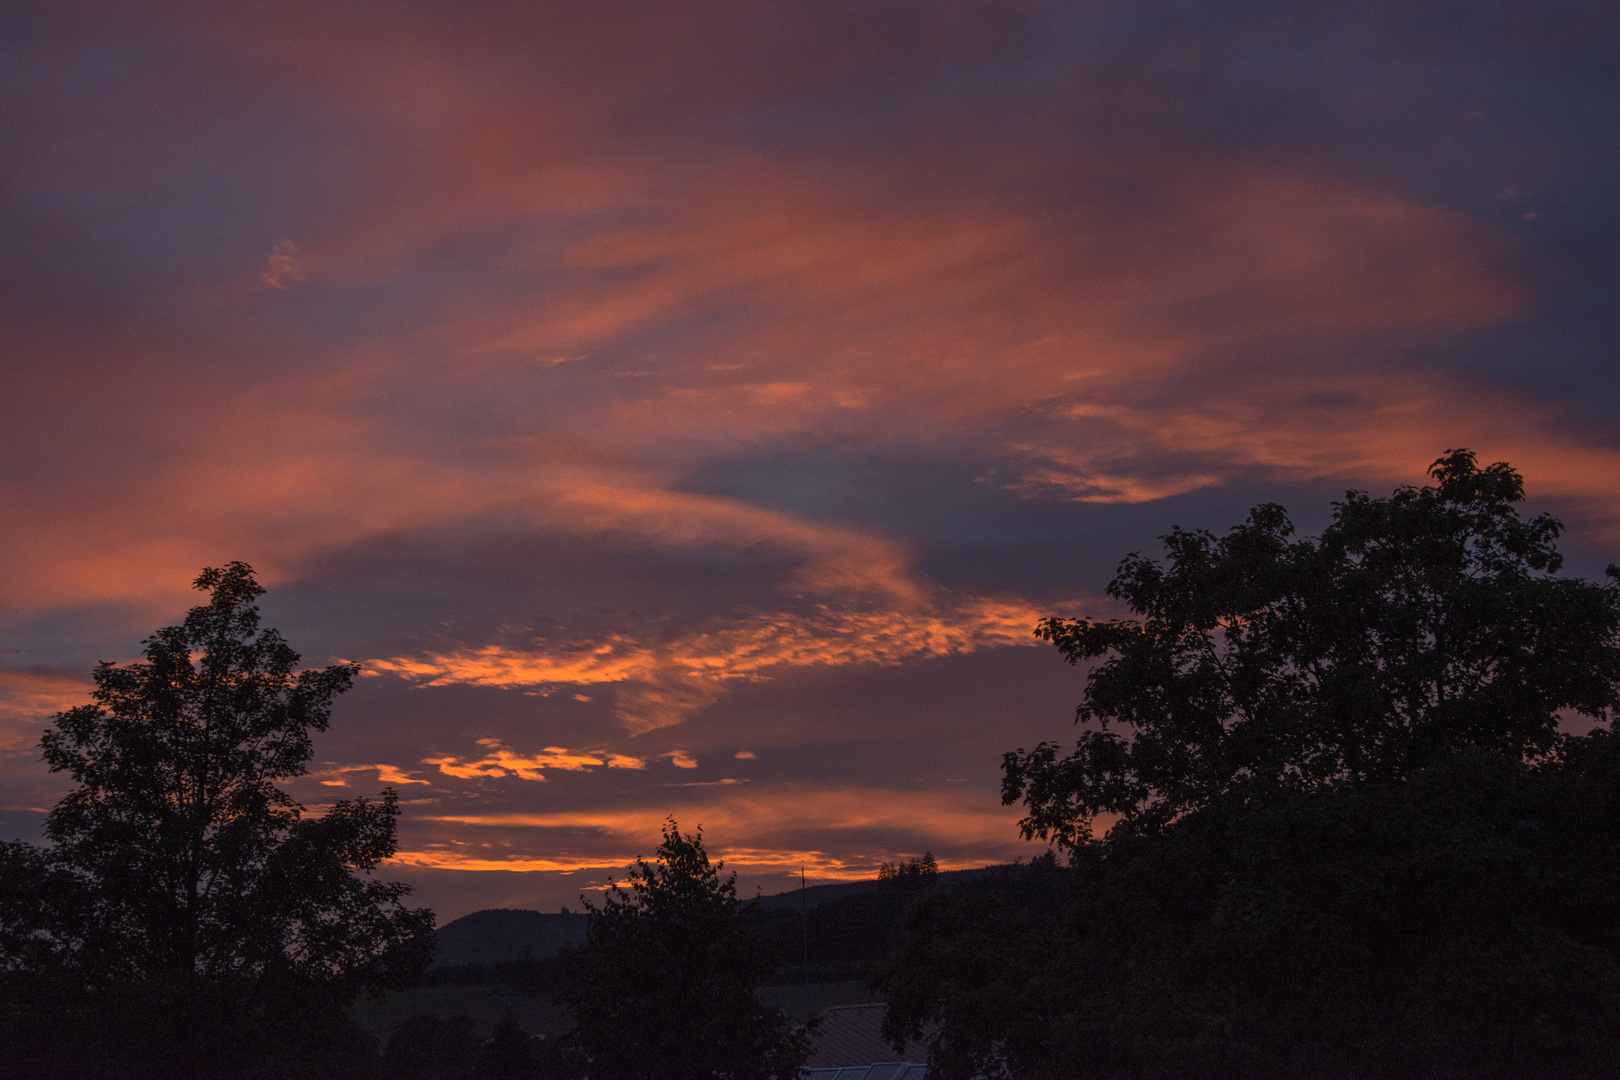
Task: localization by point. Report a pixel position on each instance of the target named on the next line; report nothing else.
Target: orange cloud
(501, 760)
(816, 863)
(833, 831)
(29, 698)
(386, 774)
(855, 320)
(446, 858)
(937, 295)
(666, 681)
(1305, 425)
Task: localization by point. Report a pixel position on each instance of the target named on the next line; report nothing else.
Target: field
(537, 1016)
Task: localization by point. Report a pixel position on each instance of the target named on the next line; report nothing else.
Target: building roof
(887, 1070)
(849, 1045)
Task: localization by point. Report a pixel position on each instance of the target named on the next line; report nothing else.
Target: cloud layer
(659, 385)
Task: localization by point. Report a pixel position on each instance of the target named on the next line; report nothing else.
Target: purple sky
(689, 408)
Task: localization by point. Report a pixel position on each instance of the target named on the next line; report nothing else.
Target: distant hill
(847, 925)
(498, 935)
(816, 895)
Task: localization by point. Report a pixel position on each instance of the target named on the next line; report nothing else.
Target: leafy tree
(1349, 838)
(42, 910)
(513, 1054)
(1462, 922)
(666, 982)
(979, 965)
(186, 894)
(428, 1047)
(1415, 626)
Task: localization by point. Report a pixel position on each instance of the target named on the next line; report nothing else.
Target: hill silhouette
(850, 926)
(500, 935)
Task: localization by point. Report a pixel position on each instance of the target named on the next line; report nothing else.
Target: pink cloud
(28, 698)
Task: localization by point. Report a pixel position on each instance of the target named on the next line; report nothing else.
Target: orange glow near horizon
(740, 829)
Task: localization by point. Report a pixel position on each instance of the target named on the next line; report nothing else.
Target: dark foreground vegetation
(1347, 834)
(666, 983)
(187, 919)
(849, 938)
(1339, 808)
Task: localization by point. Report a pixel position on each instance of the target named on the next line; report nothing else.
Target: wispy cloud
(500, 760)
(29, 696)
(664, 681)
(332, 775)
(1307, 424)
(283, 267)
(834, 831)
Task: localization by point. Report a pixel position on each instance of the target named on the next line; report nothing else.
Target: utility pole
(804, 922)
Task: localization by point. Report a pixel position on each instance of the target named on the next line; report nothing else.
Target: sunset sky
(689, 408)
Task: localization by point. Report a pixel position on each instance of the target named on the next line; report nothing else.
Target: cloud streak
(29, 696)
(858, 829)
(282, 268)
(663, 682)
(500, 760)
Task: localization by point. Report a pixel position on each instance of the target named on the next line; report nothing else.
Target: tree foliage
(182, 882)
(1349, 837)
(1416, 625)
(666, 982)
(977, 968)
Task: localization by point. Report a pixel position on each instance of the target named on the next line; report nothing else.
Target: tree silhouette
(1347, 835)
(666, 982)
(913, 873)
(186, 900)
(1415, 626)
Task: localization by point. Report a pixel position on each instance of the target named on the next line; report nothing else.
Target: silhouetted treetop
(185, 893)
(1414, 626)
(911, 872)
(666, 982)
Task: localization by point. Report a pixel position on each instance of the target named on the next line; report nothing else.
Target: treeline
(851, 936)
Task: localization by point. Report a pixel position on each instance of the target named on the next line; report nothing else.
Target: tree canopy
(1416, 625)
(666, 982)
(1351, 832)
(180, 873)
